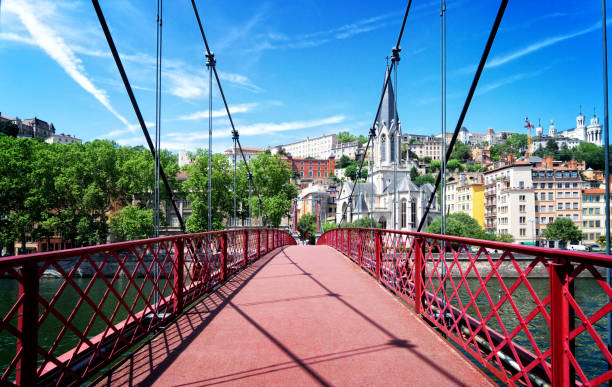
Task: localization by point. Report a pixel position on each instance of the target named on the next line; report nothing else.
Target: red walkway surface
(302, 315)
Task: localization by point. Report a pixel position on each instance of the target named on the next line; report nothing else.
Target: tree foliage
(307, 226)
(461, 225)
(461, 152)
(132, 222)
(562, 229)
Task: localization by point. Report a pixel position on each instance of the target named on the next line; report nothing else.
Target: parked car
(594, 248)
(577, 247)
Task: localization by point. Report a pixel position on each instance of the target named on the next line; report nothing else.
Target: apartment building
(248, 151)
(510, 188)
(557, 194)
(311, 168)
(318, 147)
(429, 148)
(593, 214)
(465, 193)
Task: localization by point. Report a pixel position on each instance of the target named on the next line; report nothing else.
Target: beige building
(61, 139)
(509, 201)
(429, 148)
(249, 153)
(318, 147)
(593, 214)
(465, 194)
(557, 194)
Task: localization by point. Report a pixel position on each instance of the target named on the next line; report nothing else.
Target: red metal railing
(72, 312)
(530, 315)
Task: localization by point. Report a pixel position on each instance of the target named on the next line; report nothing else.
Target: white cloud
(509, 57)
(234, 109)
(54, 45)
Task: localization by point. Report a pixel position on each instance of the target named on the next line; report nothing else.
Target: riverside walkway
(301, 315)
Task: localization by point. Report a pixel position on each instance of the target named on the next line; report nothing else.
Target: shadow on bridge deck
(301, 315)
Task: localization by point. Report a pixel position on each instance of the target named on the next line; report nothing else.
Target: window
(575, 217)
(584, 223)
(567, 185)
(551, 219)
(597, 223)
(522, 198)
(575, 206)
(574, 174)
(596, 211)
(522, 220)
(559, 206)
(550, 185)
(591, 223)
(536, 208)
(542, 185)
(522, 231)
(575, 185)
(522, 208)
(413, 217)
(551, 208)
(590, 211)
(543, 220)
(575, 194)
(403, 214)
(567, 206)
(559, 185)
(536, 196)
(550, 196)
(558, 174)
(521, 184)
(559, 194)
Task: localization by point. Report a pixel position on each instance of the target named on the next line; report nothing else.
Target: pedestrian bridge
(250, 307)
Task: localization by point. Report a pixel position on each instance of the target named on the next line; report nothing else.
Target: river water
(588, 293)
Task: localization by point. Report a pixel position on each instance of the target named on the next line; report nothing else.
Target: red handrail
(102, 300)
(517, 310)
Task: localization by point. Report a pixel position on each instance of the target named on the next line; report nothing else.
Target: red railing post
(559, 323)
(378, 239)
(245, 247)
(258, 243)
(418, 275)
(27, 325)
(359, 246)
(348, 243)
(223, 256)
(179, 281)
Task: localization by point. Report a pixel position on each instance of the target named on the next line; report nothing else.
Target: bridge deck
(301, 315)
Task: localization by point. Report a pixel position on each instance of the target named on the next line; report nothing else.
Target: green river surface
(588, 293)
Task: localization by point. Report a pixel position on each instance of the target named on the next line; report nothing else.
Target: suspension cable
(386, 84)
(229, 115)
(468, 100)
(141, 121)
(210, 63)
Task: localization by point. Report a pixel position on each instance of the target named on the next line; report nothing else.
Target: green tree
(132, 222)
(362, 139)
(461, 152)
(461, 225)
(307, 226)
(414, 173)
(474, 167)
(552, 146)
(196, 187)
(562, 229)
(601, 240)
(351, 172)
(363, 222)
(343, 162)
(591, 154)
(455, 166)
(271, 176)
(426, 160)
(329, 226)
(516, 144)
(8, 128)
(435, 166)
(504, 237)
(346, 137)
(566, 154)
(424, 179)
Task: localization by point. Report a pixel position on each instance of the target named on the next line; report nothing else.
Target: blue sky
(292, 69)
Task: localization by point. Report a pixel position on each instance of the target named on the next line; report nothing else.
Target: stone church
(411, 200)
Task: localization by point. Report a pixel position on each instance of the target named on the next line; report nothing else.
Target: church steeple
(387, 109)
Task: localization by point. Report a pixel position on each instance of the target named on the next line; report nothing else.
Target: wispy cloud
(258, 129)
(54, 45)
(534, 47)
(486, 88)
(234, 109)
(280, 41)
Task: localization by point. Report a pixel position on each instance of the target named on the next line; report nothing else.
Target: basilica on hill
(375, 197)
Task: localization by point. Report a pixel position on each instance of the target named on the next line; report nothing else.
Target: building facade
(249, 153)
(311, 168)
(465, 194)
(62, 139)
(428, 148)
(557, 194)
(348, 149)
(318, 147)
(508, 188)
(593, 215)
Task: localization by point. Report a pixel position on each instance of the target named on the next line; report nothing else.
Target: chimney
(548, 161)
(511, 158)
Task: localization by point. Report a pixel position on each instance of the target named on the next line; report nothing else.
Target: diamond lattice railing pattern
(72, 312)
(530, 315)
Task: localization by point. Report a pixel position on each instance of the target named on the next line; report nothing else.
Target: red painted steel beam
(27, 324)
